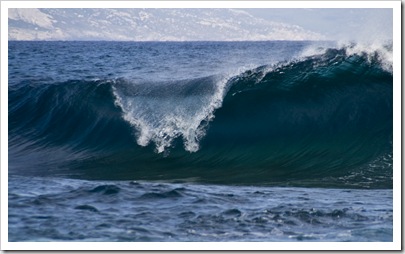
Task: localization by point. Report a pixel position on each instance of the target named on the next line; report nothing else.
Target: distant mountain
(148, 25)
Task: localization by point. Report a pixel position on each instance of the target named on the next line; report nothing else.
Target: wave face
(321, 120)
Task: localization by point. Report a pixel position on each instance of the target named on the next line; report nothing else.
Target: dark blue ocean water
(199, 141)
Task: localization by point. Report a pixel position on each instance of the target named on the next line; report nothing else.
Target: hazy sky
(337, 23)
(341, 24)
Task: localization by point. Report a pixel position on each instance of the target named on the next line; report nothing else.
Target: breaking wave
(319, 116)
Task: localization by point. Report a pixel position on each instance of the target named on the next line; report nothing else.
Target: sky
(337, 23)
(342, 24)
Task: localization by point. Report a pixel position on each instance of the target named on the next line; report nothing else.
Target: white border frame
(397, 138)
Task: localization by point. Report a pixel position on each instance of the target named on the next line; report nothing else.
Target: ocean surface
(200, 141)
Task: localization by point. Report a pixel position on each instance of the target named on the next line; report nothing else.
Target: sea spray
(164, 112)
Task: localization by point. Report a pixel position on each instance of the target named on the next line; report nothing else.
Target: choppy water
(76, 210)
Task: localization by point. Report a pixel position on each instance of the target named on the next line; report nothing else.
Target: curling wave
(321, 116)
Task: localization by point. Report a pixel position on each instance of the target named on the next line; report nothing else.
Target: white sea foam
(161, 119)
(379, 51)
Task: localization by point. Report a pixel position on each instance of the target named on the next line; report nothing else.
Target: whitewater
(200, 141)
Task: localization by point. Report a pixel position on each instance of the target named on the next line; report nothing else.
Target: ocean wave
(316, 116)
